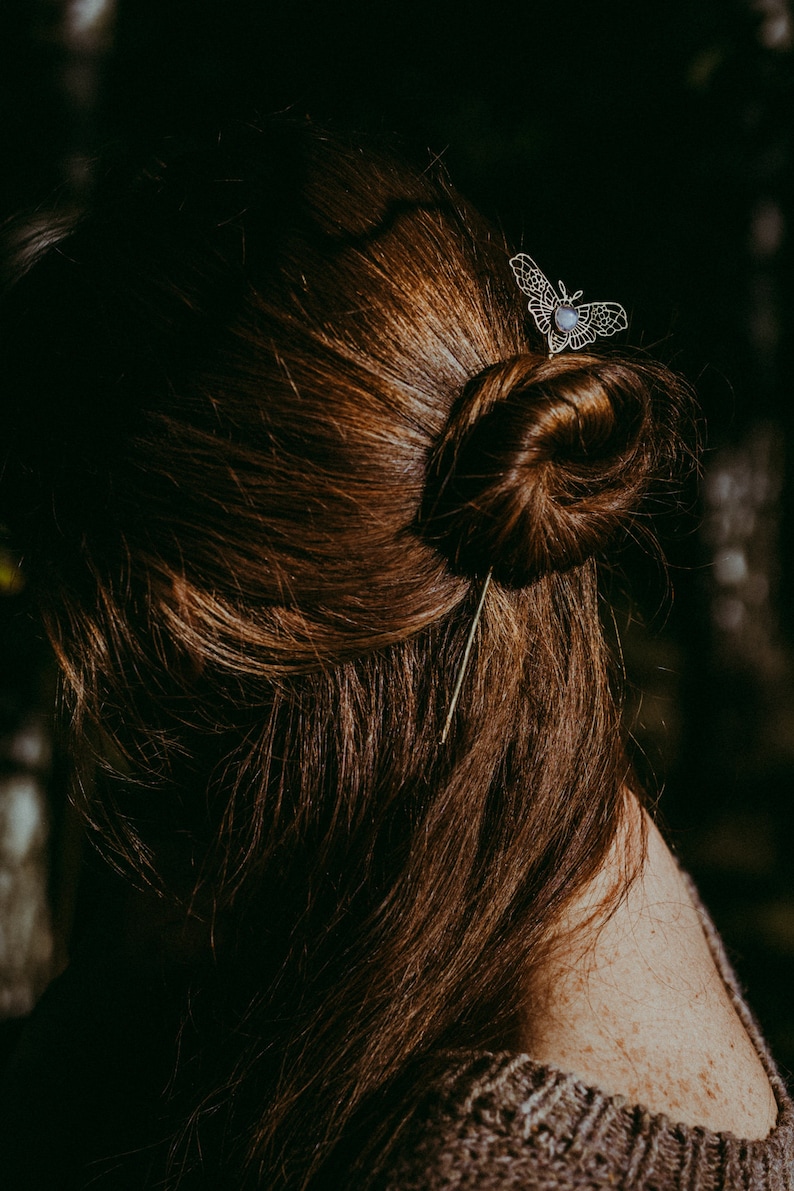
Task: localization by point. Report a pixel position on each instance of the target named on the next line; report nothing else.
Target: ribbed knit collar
(501, 1121)
(507, 1121)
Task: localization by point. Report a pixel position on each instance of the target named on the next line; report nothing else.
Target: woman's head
(281, 392)
(274, 418)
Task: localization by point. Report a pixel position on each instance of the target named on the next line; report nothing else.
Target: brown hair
(273, 416)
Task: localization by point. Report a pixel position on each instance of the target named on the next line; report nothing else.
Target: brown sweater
(505, 1121)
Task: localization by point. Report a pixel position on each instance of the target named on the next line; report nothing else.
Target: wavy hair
(272, 415)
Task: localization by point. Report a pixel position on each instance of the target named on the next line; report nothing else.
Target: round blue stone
(566, 317)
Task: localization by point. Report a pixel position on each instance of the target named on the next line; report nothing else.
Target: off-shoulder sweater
(505, 1121)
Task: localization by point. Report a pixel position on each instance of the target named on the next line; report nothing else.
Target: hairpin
(567, 323)
(560, 316)
(465, 659)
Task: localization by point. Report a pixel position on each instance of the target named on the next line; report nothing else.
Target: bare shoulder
(631, 999)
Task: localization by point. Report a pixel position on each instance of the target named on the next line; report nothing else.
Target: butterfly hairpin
(560, 316)
(567, 323)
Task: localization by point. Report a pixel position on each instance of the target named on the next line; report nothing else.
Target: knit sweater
(504, 1121)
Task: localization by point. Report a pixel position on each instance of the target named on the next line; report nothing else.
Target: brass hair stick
(466, 653)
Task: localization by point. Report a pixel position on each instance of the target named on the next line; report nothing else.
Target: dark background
(640, 151)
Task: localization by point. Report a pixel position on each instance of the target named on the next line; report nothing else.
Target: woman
(279, 440)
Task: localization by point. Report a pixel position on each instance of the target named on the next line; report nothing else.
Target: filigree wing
(577, 338)
(598, 318)
(595, 318)
(543, 300)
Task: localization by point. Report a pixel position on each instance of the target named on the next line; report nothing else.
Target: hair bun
(542, 460)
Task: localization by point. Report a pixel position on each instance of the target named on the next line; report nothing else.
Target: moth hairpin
(566, 322)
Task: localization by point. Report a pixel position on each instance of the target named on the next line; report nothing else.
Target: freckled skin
(632, 1000)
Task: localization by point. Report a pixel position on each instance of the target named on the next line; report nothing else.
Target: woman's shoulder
(647, 1069)
(639, 998)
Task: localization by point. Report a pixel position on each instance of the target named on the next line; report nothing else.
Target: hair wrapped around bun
(542, 461)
